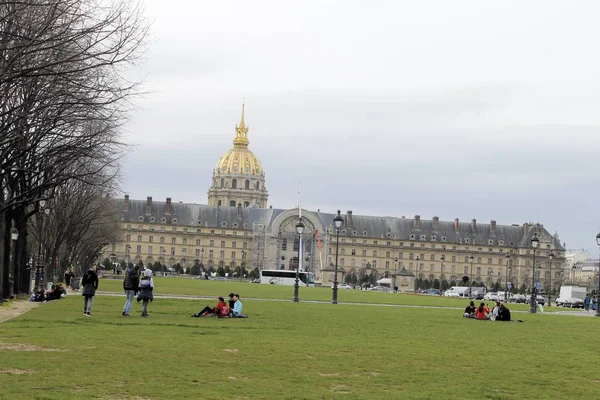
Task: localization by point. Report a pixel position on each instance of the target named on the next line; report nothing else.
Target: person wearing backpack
(90, 285)
(131, 287)
(146, 288)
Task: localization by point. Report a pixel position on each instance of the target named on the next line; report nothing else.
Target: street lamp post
(598, 291)
(551, 257)
(508, 270)
(417, 272)
(534, 244)
(243, 262)
(337, 222)
(14, 235)
(39, 271)
(128, 251)
(471, 258)
(300, 231)
(442, 258)
(395, 272)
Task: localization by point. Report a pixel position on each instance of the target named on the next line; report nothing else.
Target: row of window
(199, 254)
(234, 184)
(185, 230)
(184, 241)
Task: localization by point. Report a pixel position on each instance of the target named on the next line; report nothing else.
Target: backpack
(145, 283)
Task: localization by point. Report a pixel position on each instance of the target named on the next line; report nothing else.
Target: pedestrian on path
(131, 287)
(146, 289)
(90, 285)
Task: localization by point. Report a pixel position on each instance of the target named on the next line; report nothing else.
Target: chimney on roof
(168, 207)
(492, 227)
(456, 224)
(525, 228)
(473, 225)
(126, 203)
(349, 221)
(417, 222)
(239, 208)
(149, 205)
(436, 223)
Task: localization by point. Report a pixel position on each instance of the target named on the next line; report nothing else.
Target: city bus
(286, 277)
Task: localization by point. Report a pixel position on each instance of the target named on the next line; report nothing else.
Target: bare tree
(63, 99)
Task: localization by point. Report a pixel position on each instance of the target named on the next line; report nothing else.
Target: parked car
(540, 299)
(491, 296)
(517, 298)
(432, 292)
(380, 289)
(343, 286)
(451, 294)
(572, 302)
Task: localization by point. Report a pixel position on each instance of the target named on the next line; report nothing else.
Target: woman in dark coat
(146, 288)
(90, 284)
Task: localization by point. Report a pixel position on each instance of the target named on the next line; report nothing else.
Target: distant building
(237, 229)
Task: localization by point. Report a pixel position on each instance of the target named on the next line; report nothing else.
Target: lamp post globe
(535, 241)
(300, 231)
(337, 223)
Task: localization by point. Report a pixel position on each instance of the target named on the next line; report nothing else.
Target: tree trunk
(5, 253)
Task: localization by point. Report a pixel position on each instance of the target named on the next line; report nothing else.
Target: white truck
(571, 292)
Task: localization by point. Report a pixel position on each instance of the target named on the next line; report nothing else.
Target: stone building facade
(236, 229)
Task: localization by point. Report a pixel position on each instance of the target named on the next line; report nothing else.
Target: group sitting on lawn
(223, 310)
(499, 313)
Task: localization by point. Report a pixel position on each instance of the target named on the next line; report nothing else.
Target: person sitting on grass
(481, 312)
(503, 313)
(57, 292)
(231, 301)
(220, 310)
(236, 312)
(470, 310)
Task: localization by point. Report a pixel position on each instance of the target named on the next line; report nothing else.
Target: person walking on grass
(90, 285)
(146, 291)
(131, 287)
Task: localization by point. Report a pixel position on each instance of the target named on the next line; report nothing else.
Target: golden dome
(240, 160)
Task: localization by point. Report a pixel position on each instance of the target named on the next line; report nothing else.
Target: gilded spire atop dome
(241, 132)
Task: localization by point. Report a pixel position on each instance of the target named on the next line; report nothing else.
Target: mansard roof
(355, 226)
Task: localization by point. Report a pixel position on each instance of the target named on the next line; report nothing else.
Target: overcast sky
(461, 109)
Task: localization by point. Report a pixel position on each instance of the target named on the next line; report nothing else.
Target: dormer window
(223, 224)
(163, 220)
(235, 224)
(412, 236)
(354, 232)
(199, 222)
(141, 218)
(423, 237)
(175, 220)
(433, 238)
(467, 240)
(444, 239)
(152, 219)
(501, 242)
(389, 234)
(491, 242)
(343, 231)
(365, 233)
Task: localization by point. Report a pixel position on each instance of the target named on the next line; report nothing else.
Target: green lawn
(197, 287)
(292, 351)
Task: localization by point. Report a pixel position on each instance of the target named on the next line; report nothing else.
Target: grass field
(292, 351)
(198, 287)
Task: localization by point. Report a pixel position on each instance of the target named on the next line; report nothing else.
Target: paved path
(193, 297)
